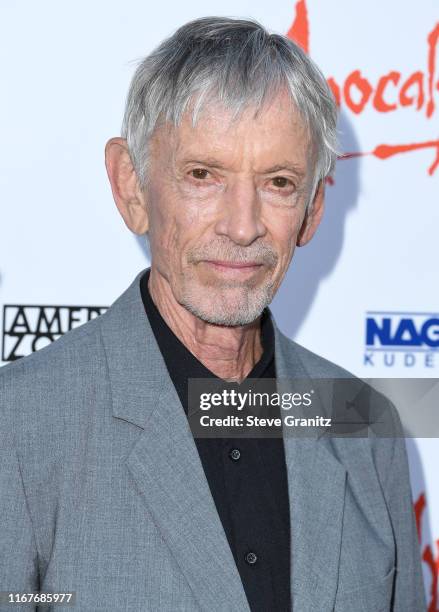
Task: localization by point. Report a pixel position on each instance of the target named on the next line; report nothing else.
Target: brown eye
(199, 173)
(281, 182)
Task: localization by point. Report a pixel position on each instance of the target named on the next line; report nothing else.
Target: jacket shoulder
(53, 376)
(369, 403)
(72, 343)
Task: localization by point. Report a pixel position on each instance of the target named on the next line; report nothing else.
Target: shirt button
(235, 454)
(251, 558)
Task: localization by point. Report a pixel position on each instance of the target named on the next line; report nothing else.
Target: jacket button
(235, 454)
(251, 558)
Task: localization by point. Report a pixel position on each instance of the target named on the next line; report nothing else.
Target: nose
(240, 214)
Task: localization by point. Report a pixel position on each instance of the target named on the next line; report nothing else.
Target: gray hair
(236, 62)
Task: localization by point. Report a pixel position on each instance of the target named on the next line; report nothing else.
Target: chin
(230, 307)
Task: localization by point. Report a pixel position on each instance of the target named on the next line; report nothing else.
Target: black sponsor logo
(29, 328)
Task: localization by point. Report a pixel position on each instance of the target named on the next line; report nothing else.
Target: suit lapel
(169, 475)
(316, 483)
(164, 463)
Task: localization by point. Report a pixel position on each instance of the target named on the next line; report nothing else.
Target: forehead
(264, 135)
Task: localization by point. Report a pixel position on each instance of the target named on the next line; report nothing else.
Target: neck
(229, 352)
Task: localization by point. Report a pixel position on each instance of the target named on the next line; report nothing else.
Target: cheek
(198, 206)
(175, 226)
(284, 229)
(162, 226)
(187, 216)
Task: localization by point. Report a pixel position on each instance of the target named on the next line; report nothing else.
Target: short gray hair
(236, 62)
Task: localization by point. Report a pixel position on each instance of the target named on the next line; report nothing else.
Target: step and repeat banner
(364, 293)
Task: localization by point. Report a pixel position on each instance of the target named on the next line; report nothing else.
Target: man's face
(226, 201)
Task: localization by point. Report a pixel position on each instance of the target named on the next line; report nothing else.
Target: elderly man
(229, 133)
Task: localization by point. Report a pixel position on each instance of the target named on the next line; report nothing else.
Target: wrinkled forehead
(275, 126)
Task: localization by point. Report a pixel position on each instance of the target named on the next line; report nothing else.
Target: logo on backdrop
(29, 328)
(387, 93)
(402, 339)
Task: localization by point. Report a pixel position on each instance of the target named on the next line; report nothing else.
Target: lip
(234, 265)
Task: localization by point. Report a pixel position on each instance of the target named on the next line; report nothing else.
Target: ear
(313, 216)
(129, 198)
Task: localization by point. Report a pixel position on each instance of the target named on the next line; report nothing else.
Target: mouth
(234, 268)
(234, 264)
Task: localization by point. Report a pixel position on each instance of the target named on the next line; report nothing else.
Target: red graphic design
(428, 555)
(391, 92)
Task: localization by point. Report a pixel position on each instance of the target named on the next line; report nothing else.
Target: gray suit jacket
(102, 491)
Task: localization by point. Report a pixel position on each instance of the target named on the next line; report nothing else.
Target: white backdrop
(65, 72)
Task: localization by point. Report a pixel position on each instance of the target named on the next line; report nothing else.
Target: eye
(281, 182)
(199, 173)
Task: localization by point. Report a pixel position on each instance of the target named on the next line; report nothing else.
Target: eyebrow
(287, 165)
(207, 161)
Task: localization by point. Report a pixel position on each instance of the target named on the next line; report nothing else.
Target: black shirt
(247, 477)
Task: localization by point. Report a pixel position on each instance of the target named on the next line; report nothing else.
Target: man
(229, 133)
